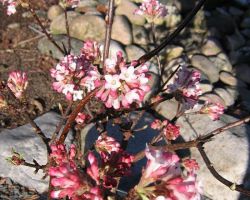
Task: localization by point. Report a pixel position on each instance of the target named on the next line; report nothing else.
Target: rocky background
(216, 42)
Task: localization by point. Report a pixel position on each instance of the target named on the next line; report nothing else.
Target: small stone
(243, 72)
(140, 35)
(58, 26)
(121, 30)
(236, 11)
(233, 91)
(211, 47)
(14, 25)
(245, 97)
(168, 109)
(114, 48)
(47, 48)
(225, 95)
(246, 33)
(174, 52)
(173, 18)
(128, 8)
(228, 79)
(54, 11)
(235, 41)
(134, 52)
(206, 66)
(206, 87)
(214, 98)
(245, 23)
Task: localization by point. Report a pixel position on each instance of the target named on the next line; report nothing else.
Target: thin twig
(67, 29)
(231, 185)
(44, 30)
(108, 32)
(169, 39)
(73, 115)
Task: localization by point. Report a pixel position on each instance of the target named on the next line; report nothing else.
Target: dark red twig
(169, 39)
(108, 31)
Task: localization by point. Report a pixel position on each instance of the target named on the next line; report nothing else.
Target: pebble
(211, 47)
(121, 30)
(206, 66)
(235, 41)
(214, 98)
(173, 52)
(222, 153)
(206, 87)
(228, 79)
(243, 72)
(140, 35)
(134, 52)
(54, 11)
(127, 8)
(225, 95)
(114, 48)
(168, 109)
(29, 144)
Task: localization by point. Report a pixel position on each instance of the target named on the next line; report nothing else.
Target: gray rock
(27, 143)
(127, 8)
(211, 47)
(168, 109)
(88, 27)
(243, 72)
(121, 30)
(206, 87)
(222, 62)
(233, 92)
(214, 98)
(58, 25)
(240, 56)
(114, 48)
(246, 33)
(243, 2)
(228, 79)
(235, 41)
(206, 66)
(173, 18)
(236, 11)
(173, 52)
(47, 48)
(225, 95)
(54, 11)
(245, 23)
(140, 35)
(245, 97)
(232, 165)
(134, 52)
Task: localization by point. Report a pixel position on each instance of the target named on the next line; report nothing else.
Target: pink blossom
(170, 131)
(123, 85)
(68, 73)
(190, 164)
(107, 144)
(91, 50)
(152, 10)
(93, 170)
(69, 3)
(81, 118)
(186, 87)
(11, 6)
(214, 110)
(17, 82)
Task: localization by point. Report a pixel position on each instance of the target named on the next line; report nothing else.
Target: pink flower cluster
(67, 178)
(115, 162)
(120, 86)
(186, 87)
(11, 6)
(162, 179)
(152, 10)
(170, 131)
(123, 85)
(69, 3)
(17, 82)
(214, 110)
(81, 118)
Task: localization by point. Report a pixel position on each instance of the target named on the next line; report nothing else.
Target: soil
(18, 51)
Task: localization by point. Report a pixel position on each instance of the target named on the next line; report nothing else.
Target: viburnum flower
(186, 87)
(68, 74)
(17, 82)
(170, 131)
(107, 144)
(162, 178)
(190, 164)
(11, 6)
(69, 3)
(122, 85)
(152, 10)
(81, 118)
(91, 50)
(67, 178)
(16, 158)
(214, 110)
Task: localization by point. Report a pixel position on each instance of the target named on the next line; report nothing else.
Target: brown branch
(44, 30)
(67, 29)
(231, 185)
(108, 32)
(73, 115)
(169, 39)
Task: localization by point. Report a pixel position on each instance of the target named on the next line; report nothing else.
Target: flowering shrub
(119, 86)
